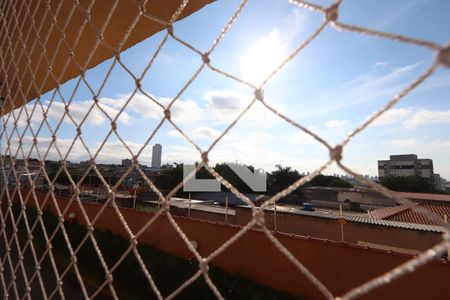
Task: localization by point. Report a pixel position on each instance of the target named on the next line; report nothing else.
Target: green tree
(415, 184)
(281, 178)
(331, 181)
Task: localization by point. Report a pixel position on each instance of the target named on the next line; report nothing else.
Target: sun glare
(263, 57)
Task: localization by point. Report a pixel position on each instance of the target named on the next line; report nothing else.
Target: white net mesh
(17, 131)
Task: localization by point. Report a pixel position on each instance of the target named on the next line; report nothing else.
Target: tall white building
(406, 165)
(156, 156)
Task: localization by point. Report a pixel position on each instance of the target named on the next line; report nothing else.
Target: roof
(385, 212)
(221, 197)
(405, 213)
(425, 196)
(411, 216)
(365, 220)
(63, 66)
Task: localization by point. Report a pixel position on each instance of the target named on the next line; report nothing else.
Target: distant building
(126, 162)
(406, 165)
(156, 156)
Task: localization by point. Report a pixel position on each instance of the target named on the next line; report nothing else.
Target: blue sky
(331, 87)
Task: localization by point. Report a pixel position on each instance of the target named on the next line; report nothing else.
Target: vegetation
(332, 181)
(172, 177)
(281, 178)
(277, 180)
(168, 271)
(415, 184)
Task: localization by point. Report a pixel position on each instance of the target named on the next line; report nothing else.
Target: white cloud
(370, 87)
(336, 123)
(423, 117)
(380, 64)
(174, 134)
(301, 138)
(204, 132)
(392, 116)
(77, 111)
(411, 118)
(404, 143)
(111, 152)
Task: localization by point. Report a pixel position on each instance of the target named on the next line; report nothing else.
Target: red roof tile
(410, 216)
(425, 196)
(385, 212)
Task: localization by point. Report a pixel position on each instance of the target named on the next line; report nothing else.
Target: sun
(263, 57)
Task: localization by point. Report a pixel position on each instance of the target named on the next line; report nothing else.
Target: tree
(281, 178)
(170, 178)
(415, 184)
(331, 181)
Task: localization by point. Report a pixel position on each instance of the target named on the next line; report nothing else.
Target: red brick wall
(339, 266)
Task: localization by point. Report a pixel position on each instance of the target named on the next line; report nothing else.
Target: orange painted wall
(339, 266)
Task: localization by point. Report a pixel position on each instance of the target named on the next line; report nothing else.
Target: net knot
(117, 54)
(204, 157)
(137, 82)
(259, 94)
(166, 205)
(78, 131)
(170, 29)
(203, 265)
(258, 216)
(336, 153)
(133, 240)
(114, 125)
(331, 13)
(90, 228)
(142, 8)
(109, 278)
(205, 58)
(167, 114)
(443, 56)
(135, 160)
(110, 195)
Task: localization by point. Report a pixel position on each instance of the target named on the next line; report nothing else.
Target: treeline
(277, 180)
(413, 184)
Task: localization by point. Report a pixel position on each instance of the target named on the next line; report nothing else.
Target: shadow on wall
(339, 266)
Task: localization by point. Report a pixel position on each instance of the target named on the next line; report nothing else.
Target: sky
(330, 87)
